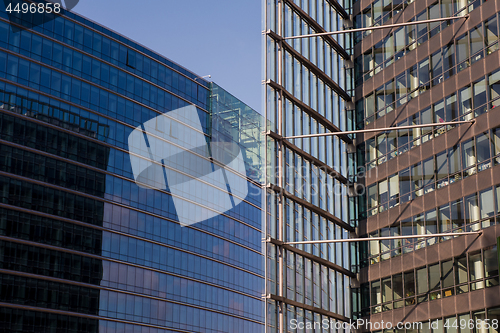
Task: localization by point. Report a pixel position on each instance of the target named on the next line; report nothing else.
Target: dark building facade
(431, 179)
(85, 244)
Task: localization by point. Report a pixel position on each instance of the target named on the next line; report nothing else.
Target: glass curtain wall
(308, 89)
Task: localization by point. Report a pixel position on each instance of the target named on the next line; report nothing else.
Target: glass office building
(308, 90)
(431, 179)
(85, 244)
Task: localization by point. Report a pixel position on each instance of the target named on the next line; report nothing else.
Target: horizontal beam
(388, 26)
(385, 129)
(350, 240)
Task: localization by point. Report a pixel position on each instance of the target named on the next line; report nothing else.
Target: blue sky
(219, 37)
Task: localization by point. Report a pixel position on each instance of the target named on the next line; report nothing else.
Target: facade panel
(308, 89)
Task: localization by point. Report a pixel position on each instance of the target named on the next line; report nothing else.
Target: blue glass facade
(84, 246)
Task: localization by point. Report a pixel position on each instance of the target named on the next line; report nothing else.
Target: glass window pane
(494, 316)
(476, 269)
(462, 52)
(461, 270)
(422, 286)
(437, 68)
(442, 165)
(409, 281)
(457, 215)
(376, 294)
(486, 203)
(445, 218)
(465, 103)
(491, 28)
(494, 84)
(372, 196)
(483, 144)
(428, 171)
(471, 209)
(476, 43)
(397, 286)
(447, 274)
(480, 98)
(468, 153)
(434, 281)
(386, 290)
(491, 262)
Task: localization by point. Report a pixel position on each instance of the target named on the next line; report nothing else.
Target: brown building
(431, 179)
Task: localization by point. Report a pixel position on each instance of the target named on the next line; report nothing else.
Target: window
(451, 108)
(386, 292)
(476, 271)
(468, 154)
(406, 185)
(372, 196)
(371, 150)
(421, 28)
(389, 96)
(440, 115)
(376, 294)
(454, 161)
(462, 52)
(491, 266)
(401, 89)
(400, 39)
(465, 103)
(378, 56)
(422, 286)
(486, 204)
(480, 98)
(369, 108)
(423, 74)
(428, 174)
(416, 177)
(461, 275)
(442, 169)
(448, 279)
(496, 142)
(413, 80)
(494, 88)
(393, 190)
(409, 287)
(130, 58)
(434, 13)
(494, 314)
(407, 230)
(382, 147)
(434, 282)
(402, 139)
(472, 210)
(426, 118)
(457, 214)
(437, 68)
(397, 289)
(476, 43)
(388, 49)
(491, 34)
(379, 98)
(483, 144)
(431, 225)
